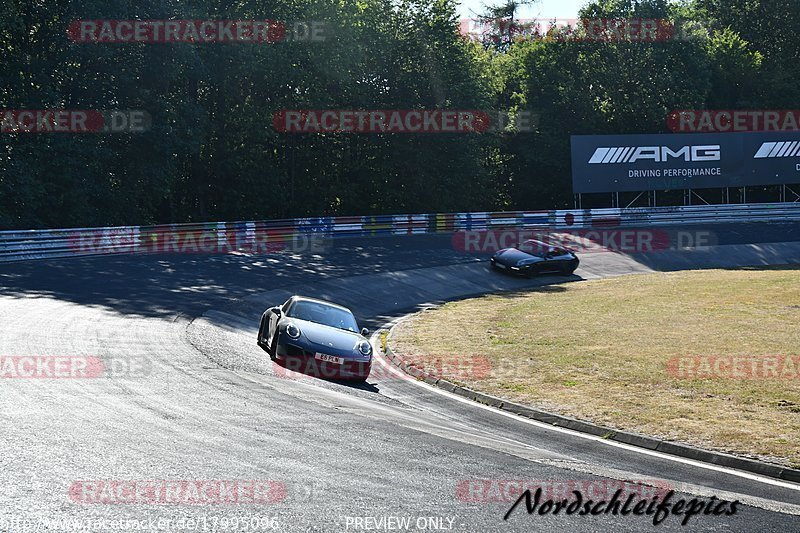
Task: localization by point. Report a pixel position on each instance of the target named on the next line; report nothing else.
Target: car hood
(512, 256)
(327, 338)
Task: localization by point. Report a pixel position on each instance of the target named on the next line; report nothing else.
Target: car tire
(273, 347)
(569, 269)
(260, 333)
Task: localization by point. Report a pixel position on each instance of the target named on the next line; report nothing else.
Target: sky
(565, 9)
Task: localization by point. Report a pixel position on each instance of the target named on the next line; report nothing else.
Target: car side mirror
(364, 332)
(277, 311)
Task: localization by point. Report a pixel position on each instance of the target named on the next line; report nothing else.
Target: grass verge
(616, 352)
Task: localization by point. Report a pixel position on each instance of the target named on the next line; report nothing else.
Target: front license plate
(329, 358)
(498, 265)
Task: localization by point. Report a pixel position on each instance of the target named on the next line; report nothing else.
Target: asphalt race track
(207, 404)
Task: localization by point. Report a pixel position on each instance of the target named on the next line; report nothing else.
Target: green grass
(598, 350)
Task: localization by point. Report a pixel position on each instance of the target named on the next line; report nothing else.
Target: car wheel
(260, 334)
(273, 347)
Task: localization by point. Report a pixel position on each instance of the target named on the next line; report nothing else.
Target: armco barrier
(266, 235)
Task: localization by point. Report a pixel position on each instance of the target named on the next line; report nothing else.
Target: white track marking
(542, 425)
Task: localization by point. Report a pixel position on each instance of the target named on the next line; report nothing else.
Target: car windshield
(535, 248)
(320, 313)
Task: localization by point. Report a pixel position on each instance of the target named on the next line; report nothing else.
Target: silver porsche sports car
(316, 337)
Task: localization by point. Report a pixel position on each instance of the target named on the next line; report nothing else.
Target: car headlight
(364, 348)
(293, 331)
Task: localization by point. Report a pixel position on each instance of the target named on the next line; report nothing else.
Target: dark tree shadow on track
(166, 285)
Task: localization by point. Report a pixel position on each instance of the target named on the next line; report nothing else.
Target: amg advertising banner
(617, 163)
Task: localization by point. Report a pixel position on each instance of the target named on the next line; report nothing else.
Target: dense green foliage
(212, 153)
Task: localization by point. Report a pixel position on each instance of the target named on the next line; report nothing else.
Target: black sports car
(316, 337)
(535, 257)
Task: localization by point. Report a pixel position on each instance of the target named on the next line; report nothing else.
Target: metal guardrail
(270, 235)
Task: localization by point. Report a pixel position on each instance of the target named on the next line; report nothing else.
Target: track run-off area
(193, 398)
